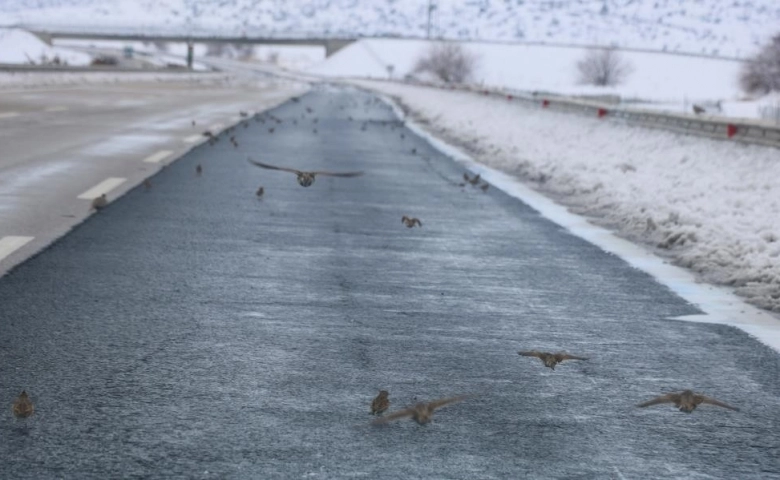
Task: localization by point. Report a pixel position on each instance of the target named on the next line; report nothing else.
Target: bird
(199, 169)
(380, 403)
(147, 184)
(208, 133)
(421, 412)
(686, 401)
(99, 202)
(410, 222)
(485, 187)
(475, 180)
(551, 359)
(270, 130)
(193, 123)
(698, 110)
(243, 113)
(23, 406)
(309, 110)
(260, 192)
(305, 179)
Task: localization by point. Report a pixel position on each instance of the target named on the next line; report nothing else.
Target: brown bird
(686, 401)
(380, 403)
(199, 169)
(485, 187)
(260, 192)
(475, 180)
(410, 222)
(421, 412)
(208, 133)
(23, 406)
(551, 359)
(99, 202)
(305, 179)
(147, 184)
(698, 110)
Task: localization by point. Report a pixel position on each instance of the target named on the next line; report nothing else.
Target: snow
(44, 79)
(708, 205)
(19, 46)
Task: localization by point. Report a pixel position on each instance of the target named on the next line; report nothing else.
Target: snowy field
(19, 46)
(708, 205)
(659, 80)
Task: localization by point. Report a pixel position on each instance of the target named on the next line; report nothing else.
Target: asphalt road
(195, 331)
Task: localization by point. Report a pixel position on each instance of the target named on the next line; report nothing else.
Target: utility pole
(431, 8)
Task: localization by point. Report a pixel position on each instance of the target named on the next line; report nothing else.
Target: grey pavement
(196, 331)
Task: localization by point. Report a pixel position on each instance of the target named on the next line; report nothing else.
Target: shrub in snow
(448, 62)
(603, 68)
(762, 73)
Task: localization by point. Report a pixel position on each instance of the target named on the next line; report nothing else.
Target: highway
(194, 330)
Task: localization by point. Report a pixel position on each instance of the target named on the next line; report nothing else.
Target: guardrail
(723, 128)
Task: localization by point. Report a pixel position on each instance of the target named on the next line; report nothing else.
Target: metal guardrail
(723, 128)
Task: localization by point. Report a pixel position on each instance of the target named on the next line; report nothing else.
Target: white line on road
(57, 109)
(215, 129)
(103, 187)
(10, 244)
(192, 138)
(158, 157)
(9, 114)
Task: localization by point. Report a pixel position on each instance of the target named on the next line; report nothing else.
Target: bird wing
(272, 167)
(669, 398)
(335, 174)
(532, 353)
(712, 401)
(561, 356)
(394, 416)
(444, 401)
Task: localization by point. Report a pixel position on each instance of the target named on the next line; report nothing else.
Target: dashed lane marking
(158, 157)
(192, 138)
(10, 244)
(103, 187)
(8, 114)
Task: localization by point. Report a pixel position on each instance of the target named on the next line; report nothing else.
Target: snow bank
(43, 79)
(711, 206)
(19, 46)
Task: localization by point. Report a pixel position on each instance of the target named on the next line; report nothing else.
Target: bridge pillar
(190, 54)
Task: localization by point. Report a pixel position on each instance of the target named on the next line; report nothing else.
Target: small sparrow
(147, 184)
(199, 169)
(380, 403)
(23, 406)
(686, 401)
(305, 179)
(551, 359)
(485, 187)
(410, 222)
(698, 110)
(421, 412)
(260, 192)
(208, 133)
(99, 202)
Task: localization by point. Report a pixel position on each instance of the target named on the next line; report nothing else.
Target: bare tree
(449, 62)
(603, 68)
(762, 73)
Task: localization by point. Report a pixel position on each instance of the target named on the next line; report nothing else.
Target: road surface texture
(59, 143)
(196, 331)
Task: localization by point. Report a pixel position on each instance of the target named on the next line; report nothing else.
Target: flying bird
(305, 179)
(551, 359)
(380, 403)
(99, 202)
(421, 412)
(411, 222)
(23, 406)
(686, 401)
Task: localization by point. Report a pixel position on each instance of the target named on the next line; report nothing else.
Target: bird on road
(243, 114)
(199, 169)
(698, 110)
(208, 134)
(380, 403)
(270, 130)
(485, 187)
(147, 184)
(99, 202)
(411, 222)
(421, 412)
(305, 179)
(260, 192)
(23, 406)
(475, 180)
(686, 401)
(551, 359)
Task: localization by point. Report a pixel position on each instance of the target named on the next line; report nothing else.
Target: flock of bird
(422, 412)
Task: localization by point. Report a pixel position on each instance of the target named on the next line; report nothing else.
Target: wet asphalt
(196, 331)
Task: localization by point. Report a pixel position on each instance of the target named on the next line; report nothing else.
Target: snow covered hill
(716, 27)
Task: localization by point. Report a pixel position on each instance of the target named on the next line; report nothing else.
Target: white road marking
(9, 114)
(158, 157)
(192, 138)
(57, 109)
(10, 244)
(103, 187)
(216, 128)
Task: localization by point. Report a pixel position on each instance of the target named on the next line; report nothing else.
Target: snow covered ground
(708, 205)
(19, 46)
(44, 79)
(659, 80)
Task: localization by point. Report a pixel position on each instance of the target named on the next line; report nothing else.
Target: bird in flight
(421, 412)
(411, 222)
(380, 403)
(551, 359)
(686, 401)
(305, 179)
(23, 406)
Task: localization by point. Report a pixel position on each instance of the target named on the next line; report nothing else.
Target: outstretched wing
(561, 356)
(669, 398)
(394, 416)
(271, 167)
(334, 174)
(532, 353)
(712, 401)
(444, 401)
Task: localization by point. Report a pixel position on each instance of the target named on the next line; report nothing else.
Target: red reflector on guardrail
(602, 112)
(731, 130)
(509, 97)
(545, 103)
